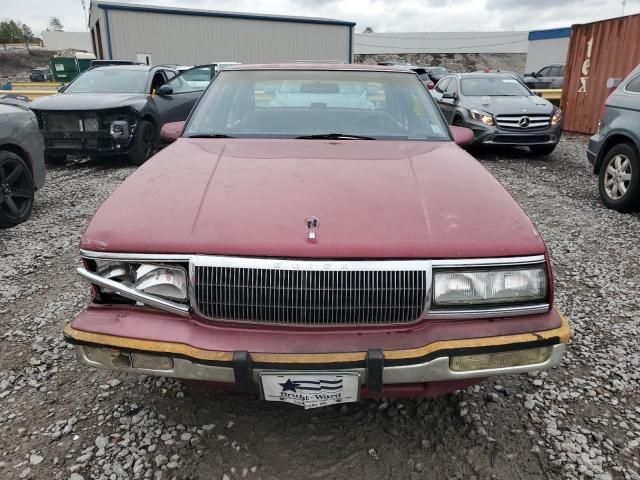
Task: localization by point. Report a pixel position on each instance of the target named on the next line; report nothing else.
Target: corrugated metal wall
(188, 39)
(597, 51)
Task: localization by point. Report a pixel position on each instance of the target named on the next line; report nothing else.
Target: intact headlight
(481, 287)
(482, 117)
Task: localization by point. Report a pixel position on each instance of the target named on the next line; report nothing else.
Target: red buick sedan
(315, 235)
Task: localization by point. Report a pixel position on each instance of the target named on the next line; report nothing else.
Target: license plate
(311, 389)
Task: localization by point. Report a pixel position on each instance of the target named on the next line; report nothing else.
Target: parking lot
(61, 420)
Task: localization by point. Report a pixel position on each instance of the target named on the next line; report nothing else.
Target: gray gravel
(582, 420)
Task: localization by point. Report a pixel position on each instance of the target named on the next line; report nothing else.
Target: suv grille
(310, 293)
(523, 121)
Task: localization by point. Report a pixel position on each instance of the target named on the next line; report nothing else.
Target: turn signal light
(151, 362)
(489, 361)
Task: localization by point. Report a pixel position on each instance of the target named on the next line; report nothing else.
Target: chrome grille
(513, 121)
(311, 293)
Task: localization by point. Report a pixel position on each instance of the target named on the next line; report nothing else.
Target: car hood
(509, 105)
(87, 101)
(374, 199)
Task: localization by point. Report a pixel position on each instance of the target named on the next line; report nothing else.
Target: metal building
(546, 47)
(121, 31)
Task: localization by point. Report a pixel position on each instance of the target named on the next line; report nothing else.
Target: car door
(556, 76)
(449, 100)
(175, 99)
(543, 78)
(439, 89)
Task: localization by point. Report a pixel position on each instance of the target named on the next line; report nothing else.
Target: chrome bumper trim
(132, 294)
(432, 371)
(494, 312)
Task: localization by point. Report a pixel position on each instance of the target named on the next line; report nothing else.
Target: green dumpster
(63, 69)
(84, 60)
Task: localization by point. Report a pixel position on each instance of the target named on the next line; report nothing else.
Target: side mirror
(533, 74)
(164, 90)
(450, 95)
(462, 135)
(61, 88)
(170, 132)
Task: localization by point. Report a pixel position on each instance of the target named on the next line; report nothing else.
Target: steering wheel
(390, 122)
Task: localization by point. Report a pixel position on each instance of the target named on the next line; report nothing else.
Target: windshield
(109, 80)
(493, 87)
(297, 103)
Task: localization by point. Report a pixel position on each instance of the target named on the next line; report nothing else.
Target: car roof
(485, 75)
(320, 66)
(145, 68)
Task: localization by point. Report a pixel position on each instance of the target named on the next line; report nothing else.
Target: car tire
(458, 122)
(620, 170)
(541, 150)
(17, 189)
(55, 159)
(145, 142)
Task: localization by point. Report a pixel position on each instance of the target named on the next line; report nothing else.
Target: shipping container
(598, 51)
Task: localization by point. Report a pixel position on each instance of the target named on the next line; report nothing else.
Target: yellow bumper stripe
(562, 333)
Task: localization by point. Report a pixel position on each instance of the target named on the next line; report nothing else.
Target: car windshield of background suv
(298, 103)
(494, 87)
(107, 80)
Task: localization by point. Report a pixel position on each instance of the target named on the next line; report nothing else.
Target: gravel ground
(62, 421)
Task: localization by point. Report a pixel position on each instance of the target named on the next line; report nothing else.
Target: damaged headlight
(165, 281)
(557, 117)
(461, 287)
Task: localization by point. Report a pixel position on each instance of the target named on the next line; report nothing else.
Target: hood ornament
(313, 224)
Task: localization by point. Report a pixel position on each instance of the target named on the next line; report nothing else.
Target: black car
(40, 74)
(113, 110)
(500, 109)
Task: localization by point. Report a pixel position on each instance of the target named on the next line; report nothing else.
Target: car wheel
(16, 190)
(145, 142)
(55, 159)
(619, 178)
(541, 150)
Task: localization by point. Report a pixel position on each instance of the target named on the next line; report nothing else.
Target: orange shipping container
(597, 52)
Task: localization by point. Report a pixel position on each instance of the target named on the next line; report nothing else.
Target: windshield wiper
(210, 135)
(334, 136)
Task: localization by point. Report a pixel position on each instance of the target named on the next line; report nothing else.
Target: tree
(55, 24)
(10, 32)
(27, 34)
(368, 30)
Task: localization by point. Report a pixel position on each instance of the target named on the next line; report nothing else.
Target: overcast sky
(381, 15)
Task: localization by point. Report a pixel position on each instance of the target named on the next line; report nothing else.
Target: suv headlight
(468, 287)
(482, 117)
(556, 117)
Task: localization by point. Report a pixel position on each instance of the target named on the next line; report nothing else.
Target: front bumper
(501, 136)
(421, 354)
(593, 151)
(87, 143)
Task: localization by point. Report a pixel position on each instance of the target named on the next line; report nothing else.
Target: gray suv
(614, 149)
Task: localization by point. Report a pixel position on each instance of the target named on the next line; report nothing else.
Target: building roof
(132, 7)
(441, 42)
(549, 34)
